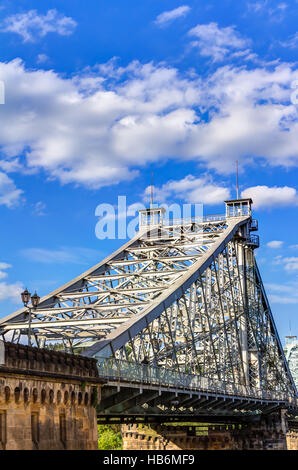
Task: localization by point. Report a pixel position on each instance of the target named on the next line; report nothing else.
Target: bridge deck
(130, 386)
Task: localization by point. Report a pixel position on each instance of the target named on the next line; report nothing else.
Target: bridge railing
(198, 219)
(126, 371)
(148, 220)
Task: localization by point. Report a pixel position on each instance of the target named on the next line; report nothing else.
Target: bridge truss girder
(187, 297)
(114, 291)
(216, 324)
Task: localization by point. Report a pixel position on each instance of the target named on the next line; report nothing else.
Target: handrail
(198, 219)
(148, 220)
(114, 369)
(253, 240)
(238, 211)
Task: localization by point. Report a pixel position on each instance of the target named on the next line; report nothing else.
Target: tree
(109, 437)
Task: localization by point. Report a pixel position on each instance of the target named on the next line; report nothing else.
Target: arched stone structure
(41, 404)
(266, 434)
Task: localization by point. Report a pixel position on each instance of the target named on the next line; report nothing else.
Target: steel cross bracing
(114, 291)
(188, 296)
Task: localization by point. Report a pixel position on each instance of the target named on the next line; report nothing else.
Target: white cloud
(10, 165)
(257, 6)
(99, 127)
(283, 293)
(267, 7)
(9, 291)
(275, 244)
(63, 255)
(217, 42)
(31, 25)
(289, 263)
(3, 267)
(87, 131)
(168, 16)
(10, 196)
(265, 196)
(191, 190)
(292, 42)
(39, 208)
(42, 58)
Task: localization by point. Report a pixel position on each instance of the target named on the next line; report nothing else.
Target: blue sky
(99, 94)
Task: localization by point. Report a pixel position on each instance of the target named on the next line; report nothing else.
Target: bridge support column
(292, 439)
(269, 433)
(243, 320)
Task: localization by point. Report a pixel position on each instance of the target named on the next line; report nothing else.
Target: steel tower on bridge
(184, 296)
(291, 352)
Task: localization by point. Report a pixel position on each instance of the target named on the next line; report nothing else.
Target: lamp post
(26, 296)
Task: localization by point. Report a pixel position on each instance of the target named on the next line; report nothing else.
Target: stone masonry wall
(266, 435)
(47, 400)
(292, 440)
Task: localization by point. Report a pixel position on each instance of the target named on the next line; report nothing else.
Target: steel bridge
(177, 318)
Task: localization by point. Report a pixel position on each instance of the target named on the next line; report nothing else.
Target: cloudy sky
(99, 95)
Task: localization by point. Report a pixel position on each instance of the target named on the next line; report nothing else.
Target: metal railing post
(118, 370)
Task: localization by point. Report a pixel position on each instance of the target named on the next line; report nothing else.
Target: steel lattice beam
(188, 296)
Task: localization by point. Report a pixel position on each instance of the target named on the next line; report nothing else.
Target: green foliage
(109, 437)
(94, 397)
(55, 346)
(83, 385)
(128, 350)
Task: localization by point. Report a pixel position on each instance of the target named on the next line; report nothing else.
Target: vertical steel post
(243, 320)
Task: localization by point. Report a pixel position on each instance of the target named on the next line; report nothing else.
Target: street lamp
(35, 300)
(26, 296)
